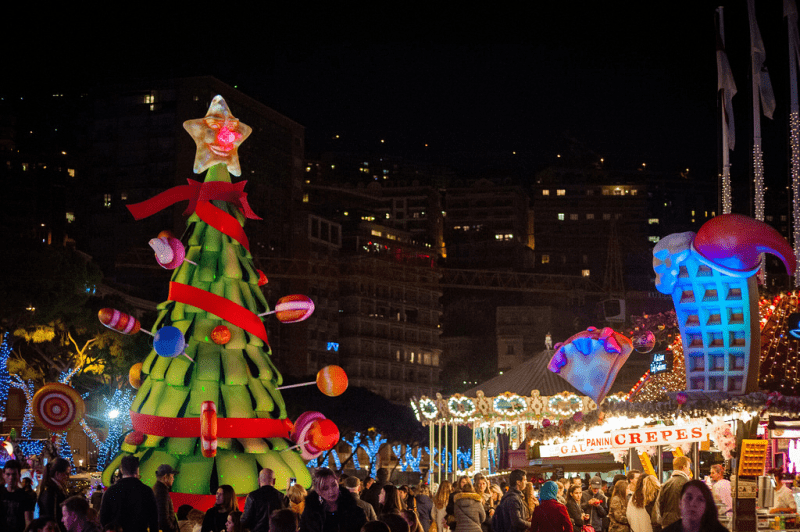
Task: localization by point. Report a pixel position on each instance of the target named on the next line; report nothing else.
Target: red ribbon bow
(193, 192)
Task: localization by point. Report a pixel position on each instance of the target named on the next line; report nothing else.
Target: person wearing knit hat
(550, 515)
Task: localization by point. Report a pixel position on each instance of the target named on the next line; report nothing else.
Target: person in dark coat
(54, 489)
(576, 514)
(329, 507)
(373, 492)
(217, 515)
(595, 503)
(698, 511)
(262, 502)
(167, 519)
(129, 502)
(424, 505)
(550, 515)
(510, 515)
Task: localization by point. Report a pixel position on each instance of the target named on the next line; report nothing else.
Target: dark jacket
(551, 516)
(258, 506)
(669, 498)
(575, 514)
(372, 495)
(349, 516)
(129, 503)
(424, 507)
(469, 512)
(509, 516)
(214, 520)
(167, 520)
(677, 526)
(50, 500)
(596, 513)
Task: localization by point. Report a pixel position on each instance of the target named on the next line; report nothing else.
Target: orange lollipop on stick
(331, 380)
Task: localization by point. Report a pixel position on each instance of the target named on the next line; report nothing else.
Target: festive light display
(118, 424)
(354, 444)
(216, 284)
(372, 448)
(5, 378)
(711, 277)
(794, 141)
(28, 389)
(464, 458)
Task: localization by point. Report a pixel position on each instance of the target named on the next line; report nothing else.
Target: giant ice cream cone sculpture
(711, 276)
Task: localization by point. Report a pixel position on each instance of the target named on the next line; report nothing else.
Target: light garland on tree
(354, 444)
(27, 388)
(432, 461)
(464, 457)
(65, 449)
(373, 447)
(398, 452)
(794, 141)
(5, 378)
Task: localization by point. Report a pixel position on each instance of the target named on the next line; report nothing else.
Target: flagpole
(790, 12)
(726, 164)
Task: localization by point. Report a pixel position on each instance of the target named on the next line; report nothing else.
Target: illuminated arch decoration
(509, 404)
(428, 408)
(460, 406)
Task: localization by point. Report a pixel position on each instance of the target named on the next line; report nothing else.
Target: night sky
(632, 82)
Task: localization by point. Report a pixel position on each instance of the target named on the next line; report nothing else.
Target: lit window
(545, 192)
(783, 217)
(71, 172)
(653, 239)
(590, 216)
(107, 201)
(149, 98)
(70, 217)
(308, 168)
(391, 236)
(573, 216)
(617, 215)
(652, 221)
(305, 198)
(769, 218)
(545, 259)
(387, 215)
(585, 273)
(123, 196)
(634, 192)
(561, 192)
(606, 216)
(561, 216)
(376, 233)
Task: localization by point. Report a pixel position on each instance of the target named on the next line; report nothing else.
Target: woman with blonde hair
(530, 501)
(642, 511)
(296, 495)
(439, 510)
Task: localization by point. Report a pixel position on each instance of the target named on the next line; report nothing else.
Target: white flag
(758, 55)
(725, 84)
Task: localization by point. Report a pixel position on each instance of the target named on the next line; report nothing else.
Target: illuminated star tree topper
(217, 136)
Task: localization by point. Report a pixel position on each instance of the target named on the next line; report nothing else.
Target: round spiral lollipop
(169, 251)
(58, 407)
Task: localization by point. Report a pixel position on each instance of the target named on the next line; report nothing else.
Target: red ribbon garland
(227, 427)
(199, 196)
(219, 306)
(195, 191)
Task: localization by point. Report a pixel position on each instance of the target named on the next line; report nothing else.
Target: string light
(758, 181)
(5, 351)
(794, 141)
(373, 447)
(726, 190)
(354, 444)
(28, 389)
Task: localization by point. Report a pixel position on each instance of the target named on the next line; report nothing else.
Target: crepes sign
(623, 439)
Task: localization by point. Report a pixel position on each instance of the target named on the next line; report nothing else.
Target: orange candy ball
(221, 335)
(323, 434)
(135, 375)
(332, 381)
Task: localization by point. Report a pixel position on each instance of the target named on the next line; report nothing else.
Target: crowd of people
(634, 502)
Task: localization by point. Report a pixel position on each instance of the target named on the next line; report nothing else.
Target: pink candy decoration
(681, 398)
(545, 422)
(169, 251)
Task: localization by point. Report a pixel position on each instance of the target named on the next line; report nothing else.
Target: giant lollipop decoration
(314, 434)
(292, 309)
(58, 407)
(331, 380)
(169, 251)
(167, 341)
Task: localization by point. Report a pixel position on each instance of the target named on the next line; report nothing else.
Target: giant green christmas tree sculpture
(214, 302)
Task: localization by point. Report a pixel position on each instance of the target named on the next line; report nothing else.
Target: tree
(218, 291)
